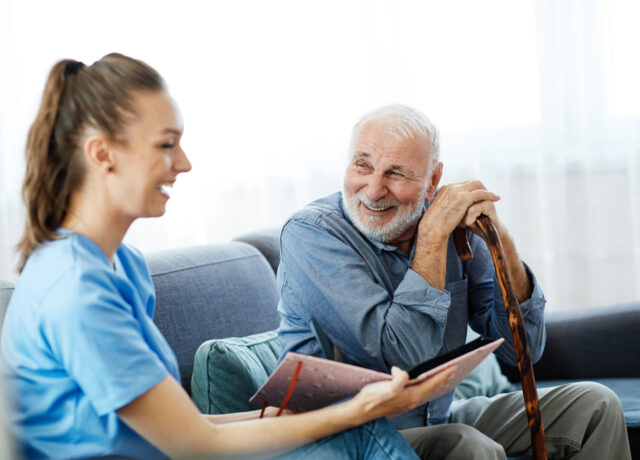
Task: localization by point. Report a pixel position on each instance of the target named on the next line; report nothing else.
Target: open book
(318, 382)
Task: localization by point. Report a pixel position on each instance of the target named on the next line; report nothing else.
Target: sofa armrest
(589, 344)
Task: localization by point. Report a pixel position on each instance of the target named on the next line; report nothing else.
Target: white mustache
(381, 203)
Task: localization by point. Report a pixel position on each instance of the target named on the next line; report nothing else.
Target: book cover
(323, 381)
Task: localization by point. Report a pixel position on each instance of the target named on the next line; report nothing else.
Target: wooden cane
(488, 232)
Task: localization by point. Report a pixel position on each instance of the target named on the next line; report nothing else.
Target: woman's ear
(99, 153)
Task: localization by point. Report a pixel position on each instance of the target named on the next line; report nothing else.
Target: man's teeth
(377, 209)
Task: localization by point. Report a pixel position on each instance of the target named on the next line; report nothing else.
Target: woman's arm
(167, 418)
(242, 416)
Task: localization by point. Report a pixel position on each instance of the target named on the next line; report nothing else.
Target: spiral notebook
(319, 382)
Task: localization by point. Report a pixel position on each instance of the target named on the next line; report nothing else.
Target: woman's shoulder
(55, 282)
(132, 257)
(70, 254)
(74, 267)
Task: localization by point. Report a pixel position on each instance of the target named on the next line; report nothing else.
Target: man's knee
(452, 440)
(597, 399)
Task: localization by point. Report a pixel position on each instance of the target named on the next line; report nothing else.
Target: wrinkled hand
(457, 205)
(392, 397)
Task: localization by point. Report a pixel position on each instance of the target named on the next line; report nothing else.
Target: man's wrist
(429, 261)
(433, 238)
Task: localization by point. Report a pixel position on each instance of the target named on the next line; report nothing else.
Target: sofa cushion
(211, 292)
(227, 372)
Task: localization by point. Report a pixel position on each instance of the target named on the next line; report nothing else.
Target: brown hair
(76, 97)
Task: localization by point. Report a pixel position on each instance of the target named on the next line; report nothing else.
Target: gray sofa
(229, 290)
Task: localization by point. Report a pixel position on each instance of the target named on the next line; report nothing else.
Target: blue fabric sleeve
(488, 315)
(370, 326)
(98, 338)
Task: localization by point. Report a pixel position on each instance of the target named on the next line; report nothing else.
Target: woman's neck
(95, 219)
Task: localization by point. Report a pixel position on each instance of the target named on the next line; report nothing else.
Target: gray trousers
(581, 421)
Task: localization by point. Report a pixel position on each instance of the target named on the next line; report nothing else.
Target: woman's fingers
(400, 379)
(428, 387)
(394, 397)
(379, 392)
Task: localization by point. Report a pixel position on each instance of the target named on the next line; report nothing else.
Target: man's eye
(168, 146)
(396, 174)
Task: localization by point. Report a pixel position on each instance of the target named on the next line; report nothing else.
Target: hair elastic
(72, 68)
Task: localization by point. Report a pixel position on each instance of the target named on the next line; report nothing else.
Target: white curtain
(539, 99)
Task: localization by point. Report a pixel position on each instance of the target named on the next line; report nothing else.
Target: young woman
(92, 374)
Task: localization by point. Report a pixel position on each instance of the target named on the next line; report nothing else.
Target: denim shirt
(378, 311)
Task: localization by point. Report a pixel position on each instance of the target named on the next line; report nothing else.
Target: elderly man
(377, 267)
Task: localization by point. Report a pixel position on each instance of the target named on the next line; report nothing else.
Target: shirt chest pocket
(455, 332)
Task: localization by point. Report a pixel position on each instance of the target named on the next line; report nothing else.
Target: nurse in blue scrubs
(91, 373)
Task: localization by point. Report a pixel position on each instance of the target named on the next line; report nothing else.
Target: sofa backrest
(267, 241)
(583, 343)
(211, 292)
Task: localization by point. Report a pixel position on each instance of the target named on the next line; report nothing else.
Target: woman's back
(79, 342)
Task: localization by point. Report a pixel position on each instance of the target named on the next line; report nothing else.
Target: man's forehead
(378, 134)
(374, 143)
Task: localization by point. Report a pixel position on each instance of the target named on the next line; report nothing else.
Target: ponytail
(76, 97)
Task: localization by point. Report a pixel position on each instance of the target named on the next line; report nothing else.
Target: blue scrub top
(78, 343)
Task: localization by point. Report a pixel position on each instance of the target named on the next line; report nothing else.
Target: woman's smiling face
(150, 157)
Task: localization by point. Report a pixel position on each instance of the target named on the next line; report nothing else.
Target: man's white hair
(403, 123)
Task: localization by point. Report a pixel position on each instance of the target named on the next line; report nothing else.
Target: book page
(323, 382)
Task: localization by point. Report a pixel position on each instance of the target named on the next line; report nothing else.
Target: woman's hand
(393, 397)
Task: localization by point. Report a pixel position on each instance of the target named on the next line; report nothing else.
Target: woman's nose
(181, 163)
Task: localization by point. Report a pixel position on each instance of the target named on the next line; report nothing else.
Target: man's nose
(376, 188)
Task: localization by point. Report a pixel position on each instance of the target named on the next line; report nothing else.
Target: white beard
(405, 217)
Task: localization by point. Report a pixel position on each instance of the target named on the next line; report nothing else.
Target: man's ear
(434, 181)
(99, 153)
